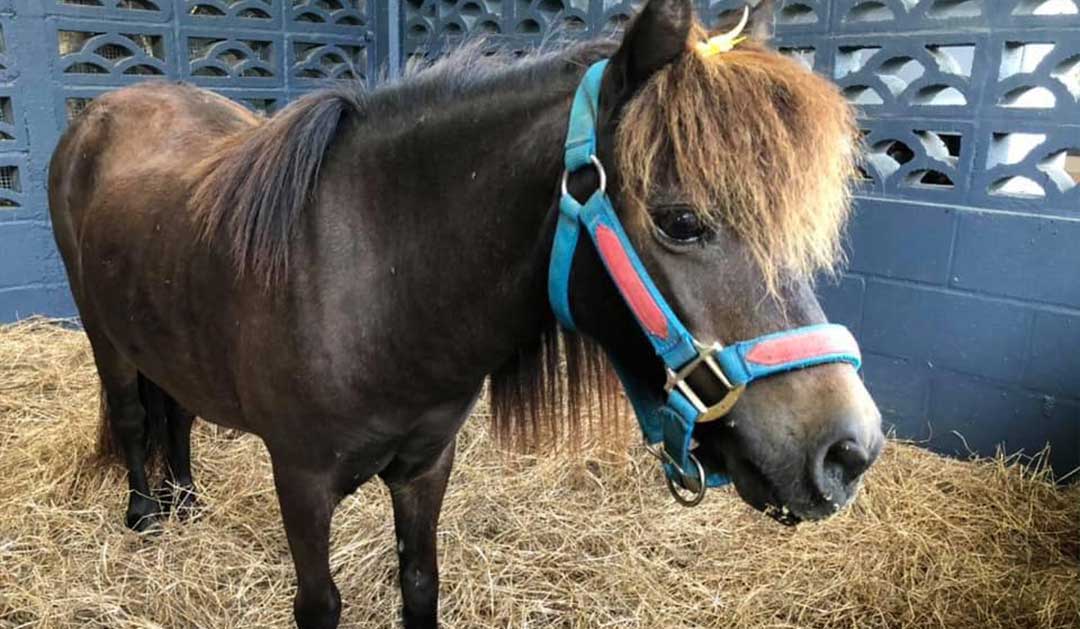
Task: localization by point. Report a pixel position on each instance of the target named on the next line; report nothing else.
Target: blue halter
(668, 425)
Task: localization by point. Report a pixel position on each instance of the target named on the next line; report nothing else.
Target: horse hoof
(185, 502)
(183, 499)
(143, 514)
(143, 523)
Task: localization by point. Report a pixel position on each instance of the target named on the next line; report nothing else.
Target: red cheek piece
(801, 347)
(629, 282)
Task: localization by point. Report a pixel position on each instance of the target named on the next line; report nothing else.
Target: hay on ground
(524, 542)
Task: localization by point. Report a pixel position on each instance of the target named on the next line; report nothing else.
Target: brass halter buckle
(677, 379)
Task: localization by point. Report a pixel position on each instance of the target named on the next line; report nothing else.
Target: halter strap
(580, 149)
(667, 423)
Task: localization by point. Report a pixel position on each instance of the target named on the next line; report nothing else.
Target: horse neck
(472, 183)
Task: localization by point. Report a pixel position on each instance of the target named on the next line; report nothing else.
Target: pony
(342, 278)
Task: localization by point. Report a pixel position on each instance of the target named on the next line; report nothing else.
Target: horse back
(146, 130)
(142, 139)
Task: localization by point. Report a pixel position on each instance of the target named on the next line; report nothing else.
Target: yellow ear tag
(724, 42)
(717, 45)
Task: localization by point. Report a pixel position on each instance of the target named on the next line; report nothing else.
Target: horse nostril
(846, 460)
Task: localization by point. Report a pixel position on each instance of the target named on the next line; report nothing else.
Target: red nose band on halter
(628, 281)
(798, 348)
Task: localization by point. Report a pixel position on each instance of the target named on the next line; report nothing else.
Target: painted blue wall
(963, 285)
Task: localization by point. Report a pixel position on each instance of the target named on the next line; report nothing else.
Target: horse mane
(253, 188)
(757, 145)
(559, 391)
(252, 191)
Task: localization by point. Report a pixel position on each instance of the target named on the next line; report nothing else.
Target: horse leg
(307, 502)
(180, 486)
(126, 419)
(417, 502)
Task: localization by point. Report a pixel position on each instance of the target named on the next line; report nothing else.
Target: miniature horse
(341, 278)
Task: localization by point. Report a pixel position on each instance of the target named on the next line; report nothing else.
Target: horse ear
(760, 26)
(656, 38)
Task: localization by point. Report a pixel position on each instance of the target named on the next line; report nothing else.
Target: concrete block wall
(964, 277)
(32, 280)
(57, 55)
(969, 322)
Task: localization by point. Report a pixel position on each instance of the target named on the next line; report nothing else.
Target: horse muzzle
(798, 445)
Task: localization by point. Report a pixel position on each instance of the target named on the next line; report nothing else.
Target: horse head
(726, 168)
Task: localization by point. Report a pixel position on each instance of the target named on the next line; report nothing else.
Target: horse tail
(152, 398)
(107, 448)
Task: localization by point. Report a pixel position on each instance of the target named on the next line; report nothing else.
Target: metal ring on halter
(660, 453)
(599, 171)
(699, 493)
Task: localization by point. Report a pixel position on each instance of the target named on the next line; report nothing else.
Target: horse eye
(681, 224)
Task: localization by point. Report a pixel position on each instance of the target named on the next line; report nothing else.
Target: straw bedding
(588, 540)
